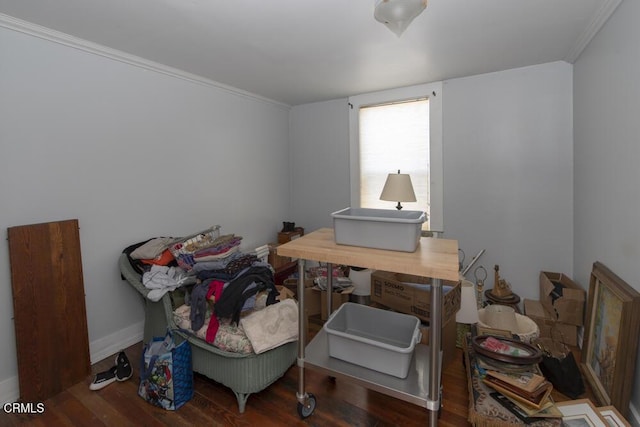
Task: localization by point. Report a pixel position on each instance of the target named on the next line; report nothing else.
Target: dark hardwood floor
(339, 403)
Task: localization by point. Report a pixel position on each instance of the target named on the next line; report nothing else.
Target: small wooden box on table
(434, 258)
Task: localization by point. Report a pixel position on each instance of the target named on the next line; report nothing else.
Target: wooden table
(434, 258)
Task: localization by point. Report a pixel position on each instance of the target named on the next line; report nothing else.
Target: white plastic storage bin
(377, 339)
(395, 230)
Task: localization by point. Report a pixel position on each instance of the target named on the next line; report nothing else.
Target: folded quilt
(272, 326)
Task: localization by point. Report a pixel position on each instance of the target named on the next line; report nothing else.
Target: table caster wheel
(307, 409)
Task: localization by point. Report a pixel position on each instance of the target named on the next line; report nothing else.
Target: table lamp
(468, 313)
(398, 188)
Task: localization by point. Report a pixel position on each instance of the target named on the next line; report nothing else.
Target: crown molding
(54, 36)
(602, 15)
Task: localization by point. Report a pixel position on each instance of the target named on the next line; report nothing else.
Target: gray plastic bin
(377, 339)
(395, 230)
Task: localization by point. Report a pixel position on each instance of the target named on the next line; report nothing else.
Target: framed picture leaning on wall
(581, 413)
(611, 337)
(613, 417)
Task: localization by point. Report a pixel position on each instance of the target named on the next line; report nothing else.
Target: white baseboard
(9, 390)
(99, 350)
(102, 348)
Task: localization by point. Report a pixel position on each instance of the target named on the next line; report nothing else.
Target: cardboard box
(412, 294)
(338, 298)
(447, 341)
(315, 301)
(540, 315)
(568, 333)
(284, 293)
(291, 283)
(312, 304)
(550, 328)
(312, 307)
(276, 260)
(562, 297)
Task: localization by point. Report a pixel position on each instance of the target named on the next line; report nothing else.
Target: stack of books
(527, 395)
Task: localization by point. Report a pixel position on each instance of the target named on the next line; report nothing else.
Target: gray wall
(132, 153)
(507, 169)
(319, 162)
(607, 152)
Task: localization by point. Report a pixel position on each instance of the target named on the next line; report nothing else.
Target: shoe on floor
(103, 379)
(124, 371)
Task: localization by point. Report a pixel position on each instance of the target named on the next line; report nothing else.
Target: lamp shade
(501, 317)
(468, 312)
(398, 14)
(398, 188)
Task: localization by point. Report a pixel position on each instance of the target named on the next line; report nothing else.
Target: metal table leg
(302, 333)
(435, 337)
(306, 401)
(329, 289)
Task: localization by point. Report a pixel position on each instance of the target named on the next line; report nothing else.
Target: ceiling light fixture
(398, 14)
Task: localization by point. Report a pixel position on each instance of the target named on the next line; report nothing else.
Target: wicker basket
(527, 329)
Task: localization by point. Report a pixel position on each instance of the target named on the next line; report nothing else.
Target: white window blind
(394, 137)
(398, 129)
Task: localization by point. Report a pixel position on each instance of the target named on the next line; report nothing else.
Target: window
(394, 136)
(398, 129)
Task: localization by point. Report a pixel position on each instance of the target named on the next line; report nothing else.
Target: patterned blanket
(272, 326)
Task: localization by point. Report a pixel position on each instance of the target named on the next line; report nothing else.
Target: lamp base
(398, 206)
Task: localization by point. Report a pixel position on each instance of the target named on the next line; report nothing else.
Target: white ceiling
(301, 51)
